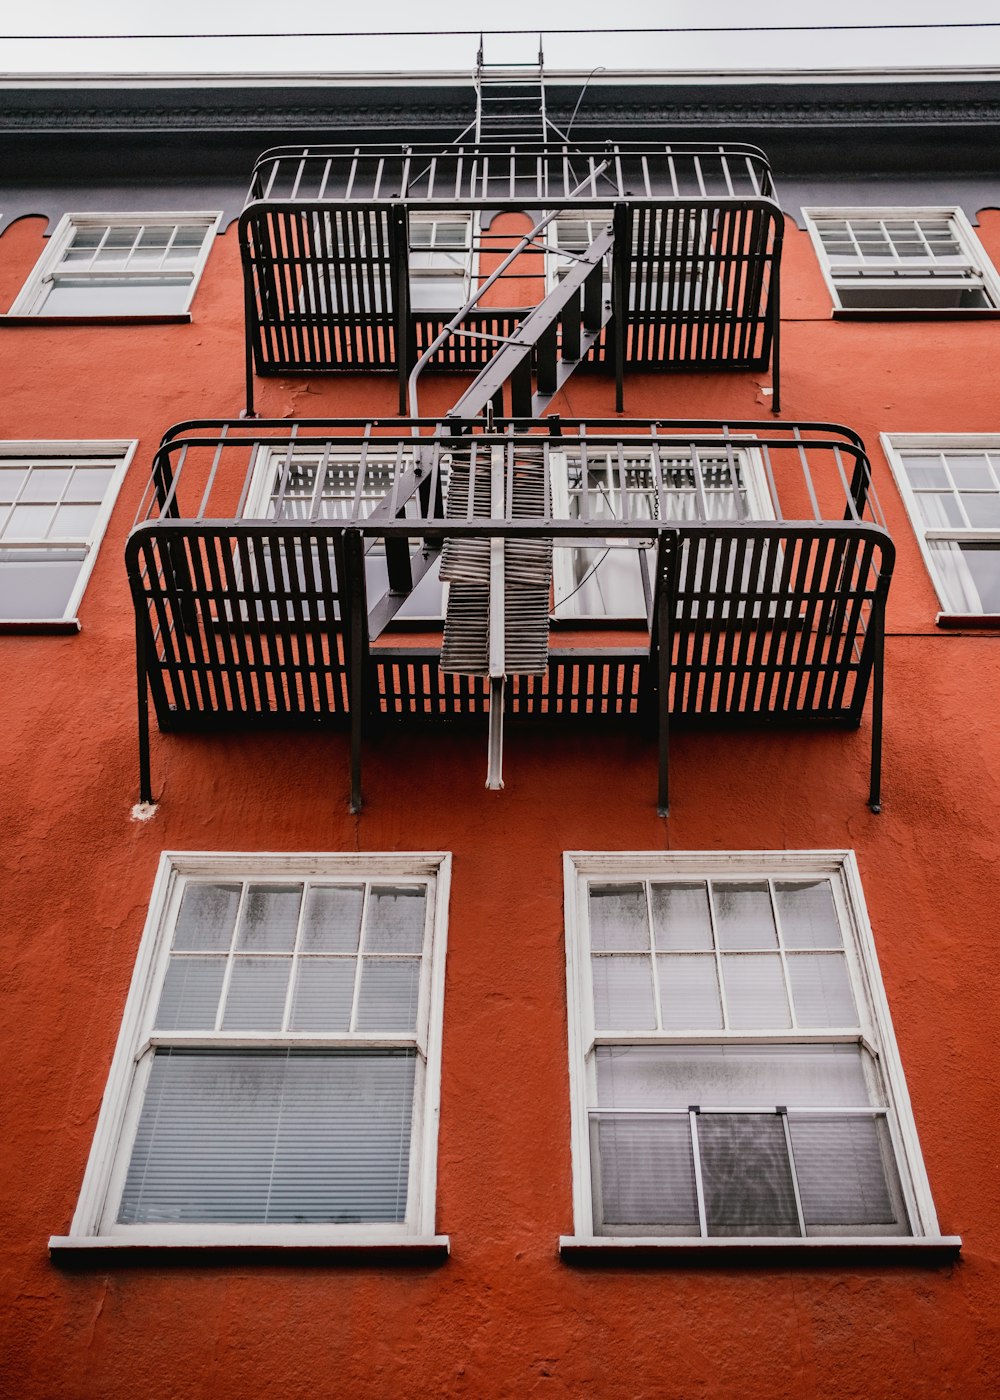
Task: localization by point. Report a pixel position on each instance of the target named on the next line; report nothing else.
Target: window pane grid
(130, 249)
(38, 494)
(252, 972)
(857, 245)
(774, 984)
(940, 497)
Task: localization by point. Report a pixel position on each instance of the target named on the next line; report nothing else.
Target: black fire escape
(273, 562)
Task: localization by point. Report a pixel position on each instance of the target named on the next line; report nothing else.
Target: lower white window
(277, 1073)
(55, 501)
(951, 487)
(733, 1067)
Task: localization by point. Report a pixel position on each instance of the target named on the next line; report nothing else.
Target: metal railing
(506, 175)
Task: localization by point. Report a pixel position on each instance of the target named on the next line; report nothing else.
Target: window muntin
(732, 1060)
(55, 499)
(902, 259)
(278, 1063)
(119, 265)
(613, 580)
(951, 486)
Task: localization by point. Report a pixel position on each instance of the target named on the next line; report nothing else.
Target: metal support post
(878, 666)
(142, 695)
(355, 571)
(619, 283)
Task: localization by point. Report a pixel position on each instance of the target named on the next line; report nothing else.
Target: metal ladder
(510, 99)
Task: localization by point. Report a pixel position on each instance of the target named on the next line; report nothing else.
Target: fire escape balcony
(293, 574)
(345, 250)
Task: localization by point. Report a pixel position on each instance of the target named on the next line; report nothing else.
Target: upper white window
(659, 239)
(951, 486)
(614, 578)
(277, 1072)
(119, 265)
(733, 1068)
(55, 500)
(902, 260)
(440, 260)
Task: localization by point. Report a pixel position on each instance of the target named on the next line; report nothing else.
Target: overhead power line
(475, 33)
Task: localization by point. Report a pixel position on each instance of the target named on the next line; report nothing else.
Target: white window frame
(269, 457)
(94, 1223)
(920, 275)
(31, 298)
(467, 275)
(895, 445)
(565, 583)
(841, 868)
(75, 451)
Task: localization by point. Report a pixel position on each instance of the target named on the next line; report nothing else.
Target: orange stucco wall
(503, 1317)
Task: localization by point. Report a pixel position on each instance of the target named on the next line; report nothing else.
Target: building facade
(499, 821)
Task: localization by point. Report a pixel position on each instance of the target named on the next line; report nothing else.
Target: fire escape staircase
(250, 613)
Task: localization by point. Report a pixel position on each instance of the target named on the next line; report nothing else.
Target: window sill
(171, 318)
(82, 1251)
(678, 1252)
(37, 626)
(940, 313)
(981, 622)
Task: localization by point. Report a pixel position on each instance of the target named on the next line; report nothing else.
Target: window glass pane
(746, 1175)
(395, 920)
(389, 992)
(844, 1167)
(45, 484)
(969, 574)
(88, 484)
(206, 918)
(270, 916)
(689, 993)
(190, 996)
(256, 997)
(755, 992)
(730, 1076)
(136, 296)
(28, 522)
(971, 473)
(284, 1137)
(743, 917)
(37, 587)
(983, 510)
(643, 1170)
(324, 994)
(10, 482)
(331, 922)
(618, 918)
(73, 522)
(925, 472)
(680, 916)
(623, 994)
(821, 990)
(808, 915)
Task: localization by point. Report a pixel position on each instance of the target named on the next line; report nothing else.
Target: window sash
(56, 268)
(140, 1044)
(879, 1058)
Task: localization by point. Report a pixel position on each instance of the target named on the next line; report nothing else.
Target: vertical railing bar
(317, 495)
(699, 1185)
(783, 1114)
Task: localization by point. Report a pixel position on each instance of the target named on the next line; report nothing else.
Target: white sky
(937, 48)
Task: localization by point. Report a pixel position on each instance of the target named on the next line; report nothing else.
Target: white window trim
(894, 445)
(580, 867)
(966, 234)
(121, 1103)
(61, 450)
(29, 301)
